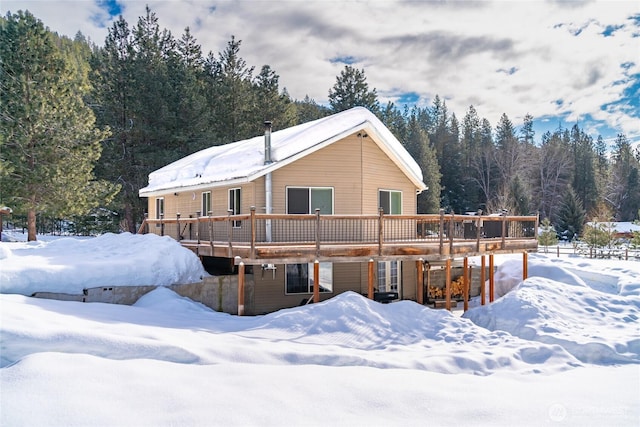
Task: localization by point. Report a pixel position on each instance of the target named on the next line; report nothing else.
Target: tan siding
(269, 293)
(409, 280)
(337, 166)
(381, 173)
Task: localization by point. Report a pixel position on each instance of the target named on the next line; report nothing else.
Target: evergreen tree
(471, 154)
(114, 78)
(395, 120)
(193, 129)
(352, 90)
(271, 104)
(571, 216)
(417, 144)
(234, 97)
(50, 140)
(624, 186)
(527, 131)
(547, 236)
(308, 110)
(584, 163)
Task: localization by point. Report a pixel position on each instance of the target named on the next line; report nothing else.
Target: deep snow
(561, 348)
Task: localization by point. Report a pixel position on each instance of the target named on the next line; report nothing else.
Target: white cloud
(459, 50)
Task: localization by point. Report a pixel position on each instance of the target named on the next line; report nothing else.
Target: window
(388, 276)
(299, 278)
(390, 202)
(159, 207)
(206, 203)
(234, 205)
(305, 200)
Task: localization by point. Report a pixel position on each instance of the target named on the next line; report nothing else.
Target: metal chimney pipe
(267, 142)
(267, 179)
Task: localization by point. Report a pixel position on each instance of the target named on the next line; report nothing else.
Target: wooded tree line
(83, 125)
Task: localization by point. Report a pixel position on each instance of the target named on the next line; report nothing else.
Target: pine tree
(571, 216)
(418, 145)
(271, 104)
(233, 97)
(114, 79)
(623, 191)
(50, 140)
(308, 110)
(352, 90)
(547, 236)
(584, 164)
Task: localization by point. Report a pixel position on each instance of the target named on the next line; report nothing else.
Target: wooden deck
(281, 239)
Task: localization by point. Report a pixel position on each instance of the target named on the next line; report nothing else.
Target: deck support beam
(483, 279)
(316, 281)
(491, 278)
(525, 265)
(465, 283)
(448, 285)
(370, 281)
(420, 282)
(241, 289)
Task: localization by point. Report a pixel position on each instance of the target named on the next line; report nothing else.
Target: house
(326, 201)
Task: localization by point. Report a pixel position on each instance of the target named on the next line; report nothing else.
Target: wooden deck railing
(261, 230)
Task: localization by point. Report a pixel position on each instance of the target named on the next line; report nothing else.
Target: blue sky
(564, 62)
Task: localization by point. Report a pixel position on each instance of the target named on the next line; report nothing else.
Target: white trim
(239, 203)
(202, 207)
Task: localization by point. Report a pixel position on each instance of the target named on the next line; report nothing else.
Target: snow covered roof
(243, 161)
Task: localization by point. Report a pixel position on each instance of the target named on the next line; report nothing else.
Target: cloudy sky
(562, 61)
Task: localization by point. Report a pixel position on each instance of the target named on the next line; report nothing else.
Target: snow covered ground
(561, 348)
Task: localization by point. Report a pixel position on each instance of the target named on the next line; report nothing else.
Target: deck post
(316, 281)
(198, 226)
(478, 234)
(420, 282)
(483, 279)
(253, 231)
(448, 285)
(229, 233)
(241, 289)
(178, 237)
(370, 281)
(210, 225)
(465, 283)
(525, 265)
(380, 230)
(428, 280)
(317, 232)
(451, 229)
(490, 277)
(504, 230)
(441, 231)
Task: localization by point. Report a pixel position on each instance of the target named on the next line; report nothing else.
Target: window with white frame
(305, 200)
(388, 276)
(206, 203)
(299, 278)
(159, 207)
(234, 205)
(390, 201)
